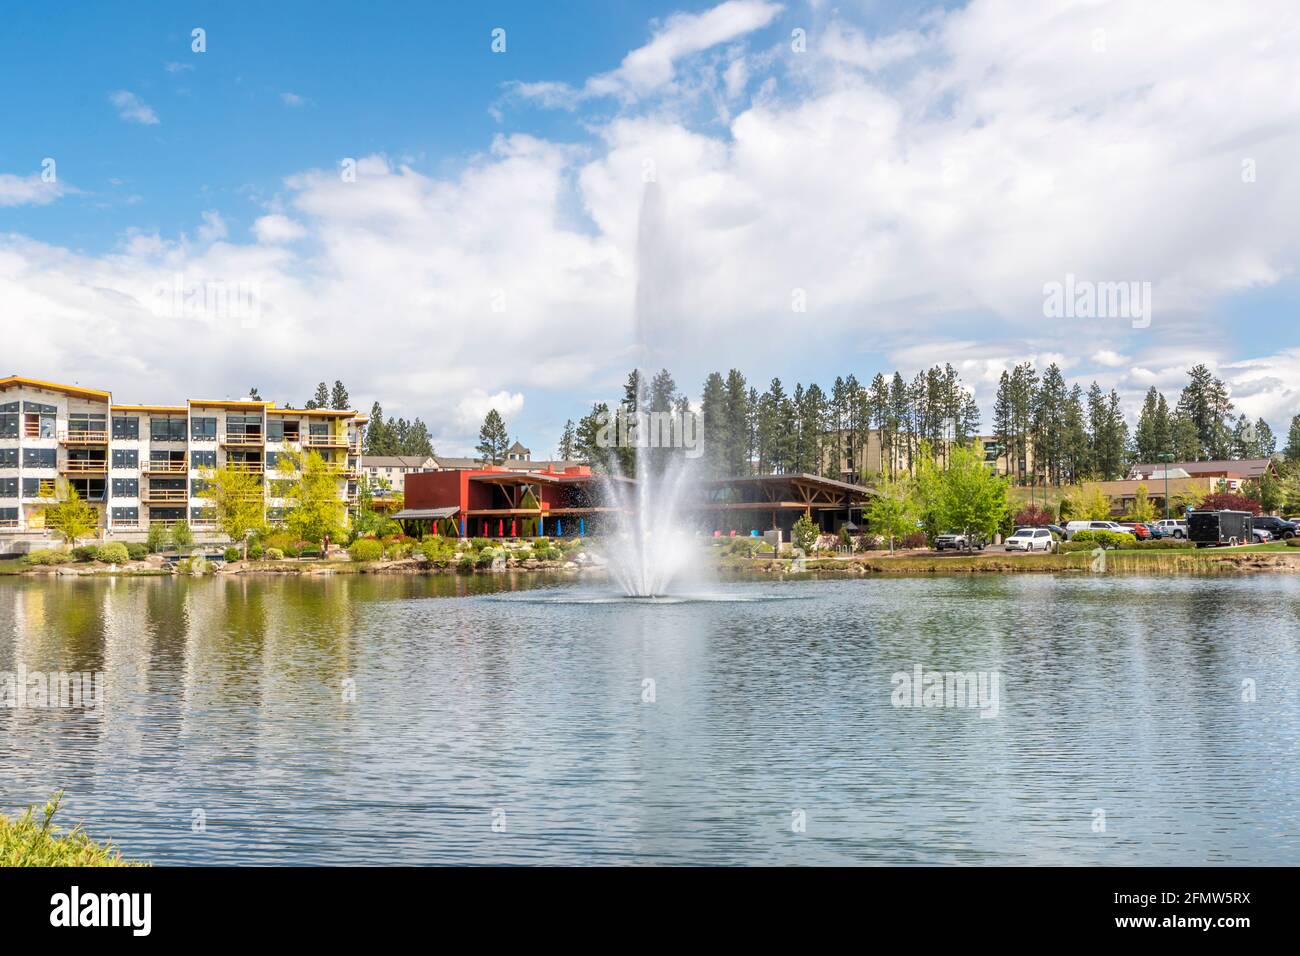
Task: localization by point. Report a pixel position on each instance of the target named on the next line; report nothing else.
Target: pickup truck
(959, 541)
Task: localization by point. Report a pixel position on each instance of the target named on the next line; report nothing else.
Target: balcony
(79, 466)
(165, 496)
(325, 441)
(8, 522)
(243, 439)
(247, 467)
(81, 436)
(174, 467)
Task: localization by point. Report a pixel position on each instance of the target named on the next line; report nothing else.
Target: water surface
(509, 720)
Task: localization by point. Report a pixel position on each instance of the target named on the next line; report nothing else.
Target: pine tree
(376, 432)
(736, 406)
(1292, 450)
(338, 397)
(567, 441)
(715, 426)
(493, 439)
(1154, 436)
(590, 445)
(321, 399)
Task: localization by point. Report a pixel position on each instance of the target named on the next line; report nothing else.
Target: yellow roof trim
(238, 403)
(328, 412)
(18, 380)
(149, 408)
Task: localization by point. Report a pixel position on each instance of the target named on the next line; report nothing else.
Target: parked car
(958, 541)
(1171, 527)
(1139, 530)
(1276, 527)
(1074, 527)
(1030, 539)
(1260, 535)
(1211, 528)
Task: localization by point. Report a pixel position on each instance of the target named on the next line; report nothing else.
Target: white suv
(1172, 528)
(1030, 539)
(1074, 527)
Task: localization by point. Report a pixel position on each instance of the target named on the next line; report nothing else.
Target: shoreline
(1208, 561)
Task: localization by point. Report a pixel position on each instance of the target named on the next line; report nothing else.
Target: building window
(9, 517)
(8, 426)
(126, 487)
(167, 429)
(8, 457)
(199, 487)
(203, 515)
(272, 460)
(203, 459)
(38, 487)
(8, 487)
(166, 514)
(244, 426)
(126, 516)
(39, 457)
(203, 429)
(126, 458)
(275, 430)
(126, 428)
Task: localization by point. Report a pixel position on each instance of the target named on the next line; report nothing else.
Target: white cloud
(177, 67)
(919, 211)
(133, 109)
(292, 100)
(472, 409)
(652, 67)
(277, 228)
(27, 190)
(213, 228)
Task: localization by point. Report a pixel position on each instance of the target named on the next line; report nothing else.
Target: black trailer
(1207, 529)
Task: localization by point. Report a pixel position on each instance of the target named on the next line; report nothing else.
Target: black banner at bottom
(335, 905)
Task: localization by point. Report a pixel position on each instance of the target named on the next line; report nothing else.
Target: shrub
(366, 549)
(157, 538)
(914, 540)
(232, 553)
(1156, 545)
(114, 553)
(1032, 516)
(31, 841)
(274, 554)
(438, 551)
(478, 544)
(1107, 539)
(1227, 501)
(255, 552)
(465, 564)
(47, 556)
(745, 547)
(87, 552)
(485, 558)
(398, 548)
(1293, 542)
(137, 551)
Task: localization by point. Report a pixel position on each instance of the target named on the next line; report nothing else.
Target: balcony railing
(82, 436)
(325, 441)
(243, 439)
(154, 467)
(248, 467)
(83, 467)
(8, 522)
(155, 496)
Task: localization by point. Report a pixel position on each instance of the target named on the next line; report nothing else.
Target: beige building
(140, 465)
(390, 471)
(857, 463)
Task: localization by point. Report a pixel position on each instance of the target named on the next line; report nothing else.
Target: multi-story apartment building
(858, 458)
(143, 464)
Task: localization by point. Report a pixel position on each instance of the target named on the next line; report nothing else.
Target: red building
(495, 502)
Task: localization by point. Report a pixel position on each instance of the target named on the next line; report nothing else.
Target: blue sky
(918, 172)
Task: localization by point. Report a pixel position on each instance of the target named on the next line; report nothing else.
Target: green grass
(28, 841)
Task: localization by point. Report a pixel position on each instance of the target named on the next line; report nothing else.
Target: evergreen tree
(321, 399)
(1292, 450)
(736, 406)
(1154, 435)
(338, 397)
(567, 441)
(715, 426)
(376, 432)
(493, 439)
(590, 445)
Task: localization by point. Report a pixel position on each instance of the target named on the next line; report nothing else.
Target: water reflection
(520, 718)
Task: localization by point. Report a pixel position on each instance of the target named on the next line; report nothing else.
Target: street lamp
(1166, 458)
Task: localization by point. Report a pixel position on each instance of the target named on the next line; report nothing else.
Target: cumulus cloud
(133, 109)
(27, 190)
(292, 100)
(847, 215)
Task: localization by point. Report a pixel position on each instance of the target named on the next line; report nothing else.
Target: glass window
(8, 426)
(126, 487)
(126, 458)
(318, 428)
(203, 459)
(8, 457)
(167, 429)
(9, 407)
(38, 487)
(275, 430)
(8, 487)
(126, 428)
(203, 429)
(203, 514)
(39, 457)
(126, 515)
(198, 487)
(272, 459)
(39, 408)
(9, 515)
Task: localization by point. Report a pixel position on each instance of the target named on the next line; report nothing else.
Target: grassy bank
(33, 841)
(1155, 561)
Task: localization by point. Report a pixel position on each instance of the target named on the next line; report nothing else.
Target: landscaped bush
(137, 551)
(438, 551)
(87, 552)
(1032, 516)
(256, 552)
(114, 553)
(366, 549)
(745, 547)
(465, 564)
(1160, 544)
(916, 539)
(485, 558)
(231, 553)
(157, 538)
(28, 841)
(47, 556)
(1107, 539)
(1293, 542)
(478, 544)
(398, 548)
(274, 554)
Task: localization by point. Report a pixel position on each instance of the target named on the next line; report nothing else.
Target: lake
(530, 719)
